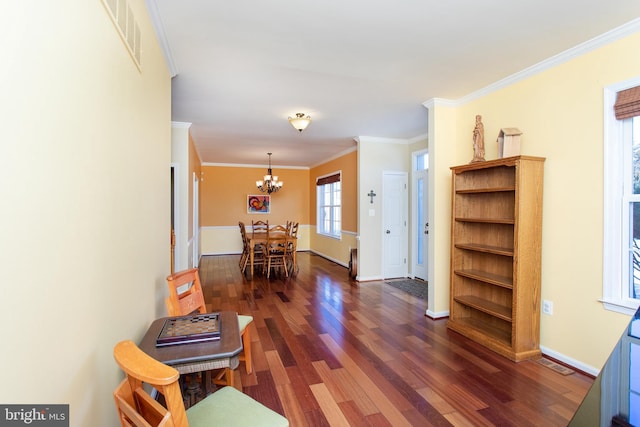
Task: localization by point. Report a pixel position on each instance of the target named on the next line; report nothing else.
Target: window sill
(330, 236)
(619, 306)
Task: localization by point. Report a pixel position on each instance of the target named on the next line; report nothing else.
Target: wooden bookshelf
(496, 238)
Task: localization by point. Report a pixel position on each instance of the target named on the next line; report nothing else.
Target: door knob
(388, 231)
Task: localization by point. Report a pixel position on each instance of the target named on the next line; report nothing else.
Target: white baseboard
(329, 258)
(570, 361)
(220, 253)
(368, 278)
(437, 314)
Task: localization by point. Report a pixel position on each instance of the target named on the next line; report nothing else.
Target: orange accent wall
(348, 165)
(224, 190)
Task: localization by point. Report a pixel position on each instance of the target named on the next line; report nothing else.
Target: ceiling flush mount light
(269, 184)
(300, 121)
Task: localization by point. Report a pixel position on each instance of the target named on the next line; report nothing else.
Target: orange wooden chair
(275, 251)
(226, 407)
(182, 302)
(244, 257)
(246, 250)
(292, 244)
(262, 226)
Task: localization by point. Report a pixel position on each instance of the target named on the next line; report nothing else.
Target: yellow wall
(85, 194)
(337, 250)
(442, 148)
(560, 112)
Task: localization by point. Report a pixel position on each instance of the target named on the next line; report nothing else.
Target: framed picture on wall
(258, 204)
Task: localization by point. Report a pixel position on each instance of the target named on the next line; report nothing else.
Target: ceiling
(357, 67)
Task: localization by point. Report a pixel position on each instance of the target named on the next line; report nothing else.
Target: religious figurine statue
(478, 141)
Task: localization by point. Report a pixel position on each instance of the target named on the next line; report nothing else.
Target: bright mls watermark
(34, 415)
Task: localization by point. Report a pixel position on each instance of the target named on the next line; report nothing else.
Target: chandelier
(300, 122)
(269, 183)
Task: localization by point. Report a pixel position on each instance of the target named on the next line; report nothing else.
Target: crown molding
(618, 33)
(382, 140)
(335, 156)
(241, 165)
(440, 102)
(181, 125)
(158, 26)
(418, 138)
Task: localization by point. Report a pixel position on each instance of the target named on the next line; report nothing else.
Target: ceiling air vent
(122, 17)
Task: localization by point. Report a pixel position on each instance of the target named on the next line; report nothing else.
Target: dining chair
(244, 257)
(246, 250)
(136, 407)
(293, 229)
(292, 232)
(182, 302)
(275, 251)
(260, 225)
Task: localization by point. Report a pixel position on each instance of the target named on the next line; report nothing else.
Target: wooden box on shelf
(496, 234)
(509, 142)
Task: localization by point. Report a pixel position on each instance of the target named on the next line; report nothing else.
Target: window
(422, 161)
(621, 281)
(329, 194)
(631, 203)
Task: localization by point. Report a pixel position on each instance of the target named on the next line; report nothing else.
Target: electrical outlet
(547, 307)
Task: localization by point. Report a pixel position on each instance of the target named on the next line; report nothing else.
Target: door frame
(417, 228)
(177, 229)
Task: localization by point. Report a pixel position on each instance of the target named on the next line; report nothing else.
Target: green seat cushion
(229, 407)
(243, 321)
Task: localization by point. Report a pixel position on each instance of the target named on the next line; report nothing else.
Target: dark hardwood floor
(330, 352)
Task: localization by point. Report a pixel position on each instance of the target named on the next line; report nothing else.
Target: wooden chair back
(190, 299)
(260, 225)
(277, 230)
(277, 238)
(135, 406)
(293, 229)
(243, 234)
(276, 249)
(244, 257)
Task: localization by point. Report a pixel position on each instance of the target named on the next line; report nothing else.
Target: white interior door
(394, 217)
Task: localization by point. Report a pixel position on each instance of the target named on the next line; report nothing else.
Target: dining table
(193, 357)
(260, 238)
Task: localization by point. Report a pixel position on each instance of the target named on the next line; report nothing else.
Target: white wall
(375, 156)
(84, 184)
(181, 180)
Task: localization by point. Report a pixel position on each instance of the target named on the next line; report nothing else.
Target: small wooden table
(190, 358)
